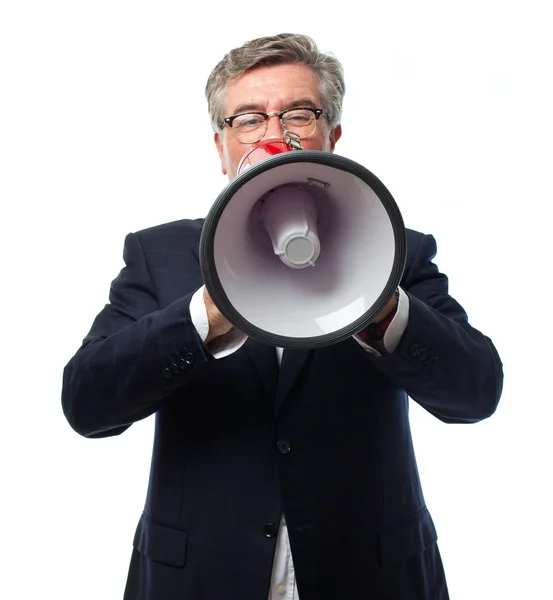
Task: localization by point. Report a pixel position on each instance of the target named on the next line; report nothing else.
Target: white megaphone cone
(286, 211)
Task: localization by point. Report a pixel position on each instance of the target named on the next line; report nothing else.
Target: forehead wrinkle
(278, 87)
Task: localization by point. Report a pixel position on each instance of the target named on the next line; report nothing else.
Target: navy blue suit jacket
(325, 440)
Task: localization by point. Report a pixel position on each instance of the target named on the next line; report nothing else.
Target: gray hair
(285, 48)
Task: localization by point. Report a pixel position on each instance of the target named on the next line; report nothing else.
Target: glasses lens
(300, 121)
(249, 127)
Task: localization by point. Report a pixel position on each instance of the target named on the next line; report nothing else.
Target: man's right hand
(218, 324)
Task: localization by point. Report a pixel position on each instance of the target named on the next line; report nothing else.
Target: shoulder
(414, 237)
(180, 227)
(418, 242)
(421, 252)
(181, 231)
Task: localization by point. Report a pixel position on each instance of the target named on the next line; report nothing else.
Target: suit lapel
(196, 249)
(264, 360)
(293, 362)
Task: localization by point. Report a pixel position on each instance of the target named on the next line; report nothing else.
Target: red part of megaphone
(262, 150)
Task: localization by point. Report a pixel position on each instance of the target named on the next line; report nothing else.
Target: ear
(217, 138)
(334, 136)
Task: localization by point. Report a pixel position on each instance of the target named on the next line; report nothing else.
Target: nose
(274, 128)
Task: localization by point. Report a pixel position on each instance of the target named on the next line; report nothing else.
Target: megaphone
(303, 248)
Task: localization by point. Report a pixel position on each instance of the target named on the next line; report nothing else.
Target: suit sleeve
(135, 355)
(442, 362)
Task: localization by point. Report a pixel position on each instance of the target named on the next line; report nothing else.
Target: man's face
(269, 89)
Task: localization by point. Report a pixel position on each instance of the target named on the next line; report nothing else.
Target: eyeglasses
(250, 127)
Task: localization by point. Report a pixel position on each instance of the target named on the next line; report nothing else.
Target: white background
(104, 130)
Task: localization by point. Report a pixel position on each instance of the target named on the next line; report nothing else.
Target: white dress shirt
(283, 578)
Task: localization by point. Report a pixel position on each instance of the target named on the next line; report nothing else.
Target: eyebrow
(257, 107)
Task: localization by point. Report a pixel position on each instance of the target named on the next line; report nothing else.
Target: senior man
(277, 474)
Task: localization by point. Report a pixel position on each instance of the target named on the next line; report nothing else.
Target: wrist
(376, 330)
(389, 309)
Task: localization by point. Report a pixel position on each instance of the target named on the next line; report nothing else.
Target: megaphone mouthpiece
(262, 150)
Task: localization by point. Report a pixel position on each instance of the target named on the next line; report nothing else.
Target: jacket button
(186, 360)
(174, 368)
(167, 373)
(414, 350)
(270, 530)
(284, 446)
(423, 354)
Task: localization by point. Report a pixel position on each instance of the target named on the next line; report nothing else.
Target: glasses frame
(318, 112)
